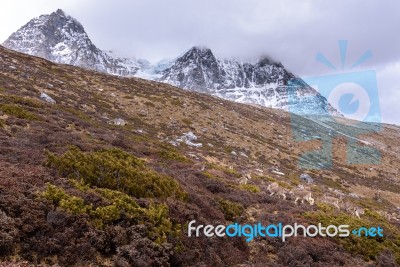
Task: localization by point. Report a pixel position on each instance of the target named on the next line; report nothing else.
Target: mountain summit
(196, 70)
(262, 83)
(62, 39)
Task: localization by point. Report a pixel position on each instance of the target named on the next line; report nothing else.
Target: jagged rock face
(263, 83)
(196, 70)
(62, 39)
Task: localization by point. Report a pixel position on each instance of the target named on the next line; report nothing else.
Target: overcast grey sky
(292, 32)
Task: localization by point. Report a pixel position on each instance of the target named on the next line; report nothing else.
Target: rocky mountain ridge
(62, 39)
(265, 82)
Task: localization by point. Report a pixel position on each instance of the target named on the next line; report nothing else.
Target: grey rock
(306, 178)
(47, 98)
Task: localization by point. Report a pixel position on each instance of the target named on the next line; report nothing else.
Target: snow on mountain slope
(62, 39)
(262, 83)
(153, 71)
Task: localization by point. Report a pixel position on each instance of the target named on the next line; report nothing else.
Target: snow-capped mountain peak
(196, 70)
(262, 82)
(60, 38)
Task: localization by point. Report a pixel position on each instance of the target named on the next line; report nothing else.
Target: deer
(244, 179)
(302, 194)
(272, 185)
(274, 188)
(332, 201)
(358, 211)
(353, 209)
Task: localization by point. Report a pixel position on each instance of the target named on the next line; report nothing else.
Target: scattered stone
(243, 154)
(193, 156)
(243, 180)
(259, 172)
(307, 178)
(354, 195)
(316, 137)
(339, 193)
(119, 121)
(25, 76)
(277, 172)
(189, 138)
(47, 98)
(173, 143)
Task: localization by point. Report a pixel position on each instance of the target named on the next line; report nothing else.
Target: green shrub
(293, 178)
(76, 112)
(23, 101)
(210, 175)
(2, 123)
(270, 179)
(232, 172)
(105, 215)
(250, 188)
(73, 204)
(187, 121)
(54, 193)
(176, 102)
(172, 154)
(120, 207)
(157, 216)
(228, 149)
(228, 171)
(332, 183)
(117, 170)
(17, 111)
(80, 185)
(284, 185)
(230, 209)
(149, 104)
(59, 197)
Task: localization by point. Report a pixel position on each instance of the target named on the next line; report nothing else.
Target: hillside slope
(104, 170)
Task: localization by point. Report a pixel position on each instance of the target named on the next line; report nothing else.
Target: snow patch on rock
(189, 138)
(47, 98)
